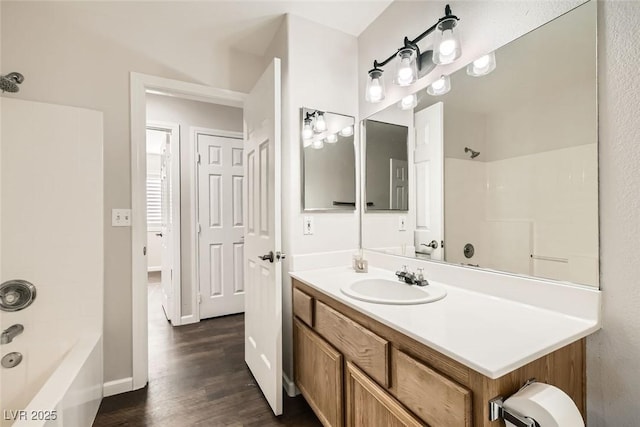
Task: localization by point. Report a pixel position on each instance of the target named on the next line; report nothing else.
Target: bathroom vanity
(437, 364)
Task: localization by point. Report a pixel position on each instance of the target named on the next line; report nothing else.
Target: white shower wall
(543, 204)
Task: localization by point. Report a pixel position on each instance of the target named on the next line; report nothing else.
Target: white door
(263, 276)
(221, 227)
(399, 179)
(165, 140)
(429, 167)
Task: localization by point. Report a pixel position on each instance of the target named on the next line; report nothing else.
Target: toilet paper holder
(498, 411)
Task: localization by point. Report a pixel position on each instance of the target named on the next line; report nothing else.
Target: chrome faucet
(10, 333)
(410, 278)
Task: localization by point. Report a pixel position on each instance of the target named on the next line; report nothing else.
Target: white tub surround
(490, 328)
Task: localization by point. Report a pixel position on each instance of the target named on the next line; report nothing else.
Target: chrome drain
(16, 295)
(11, 360)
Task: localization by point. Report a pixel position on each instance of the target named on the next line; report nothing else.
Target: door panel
(429, 166)
(220, 239)
(263, 278)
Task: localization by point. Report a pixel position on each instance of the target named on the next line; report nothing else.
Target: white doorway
(141, 84)
(220, 230)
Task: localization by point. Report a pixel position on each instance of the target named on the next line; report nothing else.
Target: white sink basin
(385, 291)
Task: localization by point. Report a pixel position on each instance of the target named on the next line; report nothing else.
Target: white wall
(81, 54)
(612, 380)
(319, 72)
(188, 114)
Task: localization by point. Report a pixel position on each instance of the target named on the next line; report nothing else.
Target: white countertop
(489, 334)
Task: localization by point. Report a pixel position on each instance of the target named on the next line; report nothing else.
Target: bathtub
(71, 395)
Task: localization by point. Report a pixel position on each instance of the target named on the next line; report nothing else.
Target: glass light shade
(408, 102)
(307, 130)
(483, 65)
(440, 86)
(332, 138)
(318, 144)
(321, 124)
(348, 131)
(375, 86)
(447, 43)
(406, 68)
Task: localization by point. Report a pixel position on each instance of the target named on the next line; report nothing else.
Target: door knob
(267, 257)
(159, 234)
(433, 244)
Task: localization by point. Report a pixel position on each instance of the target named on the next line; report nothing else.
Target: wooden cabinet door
(369, 405)
(318, 374)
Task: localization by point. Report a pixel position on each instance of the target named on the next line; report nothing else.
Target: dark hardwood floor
(198, 377)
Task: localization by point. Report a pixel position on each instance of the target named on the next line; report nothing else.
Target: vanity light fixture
(483, 65)
(332, 138)
(440, 86)
(411, 63)
(313, 123)
(347, 131)
(408, 102)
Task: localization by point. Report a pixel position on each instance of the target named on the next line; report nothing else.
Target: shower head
(10, 82)
(474, 153)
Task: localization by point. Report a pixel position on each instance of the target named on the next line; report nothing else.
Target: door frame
(140, 84)
(176, 295)
(194, 131)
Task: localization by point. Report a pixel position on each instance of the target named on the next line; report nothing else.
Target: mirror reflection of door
(399, 184)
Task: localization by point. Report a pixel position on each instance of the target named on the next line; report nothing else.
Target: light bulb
(348, 131)
(318, 144)
(447, 43)
(408, 102)
(332, 138)
(406, 69)
(440, 86)
(375, 86)
(307, 130)
(482, 66)
(321, 124)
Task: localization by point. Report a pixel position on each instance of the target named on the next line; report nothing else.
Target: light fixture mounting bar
(414, 43)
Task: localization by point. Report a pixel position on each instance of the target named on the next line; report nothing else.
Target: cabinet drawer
(430, 395)
(358, 344)
(318, 374)
(369, 405)
(303, 306)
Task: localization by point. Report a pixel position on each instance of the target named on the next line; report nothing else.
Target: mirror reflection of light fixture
(408, 102)
(440, 86)
(321, 124)
(317, 144)
(347, 131)
(412, 64)
(332, 138)
(307, 129)
(483, 65)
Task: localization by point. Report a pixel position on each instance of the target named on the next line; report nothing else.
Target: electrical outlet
(402, 223)
(308, 225)
(121, 217)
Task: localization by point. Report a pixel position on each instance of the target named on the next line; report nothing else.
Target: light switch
(121, 217)
(308, 225)
(402, 223)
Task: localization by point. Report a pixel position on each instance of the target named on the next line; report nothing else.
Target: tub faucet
(10, 333)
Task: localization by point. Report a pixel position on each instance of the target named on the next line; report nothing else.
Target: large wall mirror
(503, 168)
(328, 161)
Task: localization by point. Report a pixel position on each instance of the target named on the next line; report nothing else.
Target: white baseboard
(289, 386)
(187, 320)
(122, 385)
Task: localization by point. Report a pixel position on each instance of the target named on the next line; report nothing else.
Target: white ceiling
(249, 25)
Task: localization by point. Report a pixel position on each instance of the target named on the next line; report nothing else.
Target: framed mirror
(386, 155)
(503, 168)
(328, 161)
